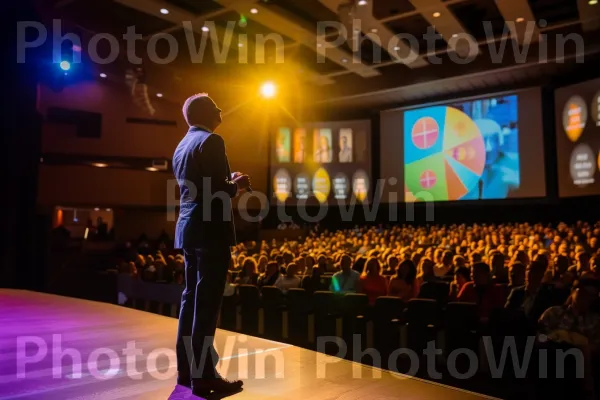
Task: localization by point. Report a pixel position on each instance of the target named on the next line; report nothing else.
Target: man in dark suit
(205, 231)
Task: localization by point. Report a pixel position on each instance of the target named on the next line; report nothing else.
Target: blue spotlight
(65, 65)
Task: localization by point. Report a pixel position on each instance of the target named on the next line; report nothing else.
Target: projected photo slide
(464, 151)
(282, 146)
(578, 139)
(322, 162)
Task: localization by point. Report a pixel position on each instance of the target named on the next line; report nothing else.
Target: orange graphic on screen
(425, 133)
(574, 118)
(321, 185)
(299, 145)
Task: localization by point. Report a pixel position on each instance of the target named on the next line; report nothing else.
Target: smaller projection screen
(578, 139)
(328, 162)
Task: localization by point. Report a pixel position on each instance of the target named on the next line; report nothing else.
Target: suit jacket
(545, 298)
(202, 171)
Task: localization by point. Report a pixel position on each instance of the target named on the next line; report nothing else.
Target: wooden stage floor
(37, 329)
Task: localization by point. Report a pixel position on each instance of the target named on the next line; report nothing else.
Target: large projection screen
(484, 148)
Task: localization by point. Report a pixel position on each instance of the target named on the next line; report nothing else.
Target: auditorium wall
(245, 132)
(106, 187)
(118, 138)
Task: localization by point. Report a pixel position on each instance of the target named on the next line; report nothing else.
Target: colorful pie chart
(444, 154)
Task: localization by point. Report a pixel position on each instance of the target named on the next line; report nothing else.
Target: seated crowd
(549, 273)
(529, 267)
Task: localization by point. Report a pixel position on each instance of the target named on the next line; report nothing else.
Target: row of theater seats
(346, 324)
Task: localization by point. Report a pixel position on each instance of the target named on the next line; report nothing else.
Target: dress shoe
(184, 380)
(204, 387)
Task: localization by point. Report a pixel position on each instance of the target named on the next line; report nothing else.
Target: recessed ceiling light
(240, 44)
(205, 29)
(344, 60)
(100, 165)
(593, 2)
(396, 48)
(151, 169)
(374, 30)
(520, 19)
(103, 75)
(253, 11)
(362, 2)
(108, 209)
(455, 35)
(436, 14)
(96, 209)
(164, 11)
(159, 95)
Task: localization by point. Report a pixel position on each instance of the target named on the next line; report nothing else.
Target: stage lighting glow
(65, 65)
(268, 90)
(164, 11)
(103, 75)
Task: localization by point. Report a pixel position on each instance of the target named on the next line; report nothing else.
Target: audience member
(372, 283)
(403, 283)
(482, 291)
(346, 280)
(270, 276)
(290, 279)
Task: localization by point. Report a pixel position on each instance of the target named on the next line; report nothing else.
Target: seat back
(461, 317)
(299, 301)
(272, 297)
(388, 308)
(325, 303)
(354, 304)
(249, 297)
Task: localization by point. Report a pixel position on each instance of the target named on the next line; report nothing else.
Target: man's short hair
(196, 107)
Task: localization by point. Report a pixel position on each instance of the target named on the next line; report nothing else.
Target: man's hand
(243, 181)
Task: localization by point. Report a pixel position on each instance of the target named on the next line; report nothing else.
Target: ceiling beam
(296, 30)
(520, 20)
(589, 15)
(379, 33)
(177, 16)
(439, 16)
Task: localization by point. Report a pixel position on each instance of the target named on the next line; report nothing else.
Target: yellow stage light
(268, 90)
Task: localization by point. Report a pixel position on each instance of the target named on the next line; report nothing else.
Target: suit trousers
(205, 277)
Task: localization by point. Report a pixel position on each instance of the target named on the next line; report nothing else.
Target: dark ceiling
(343, 73)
